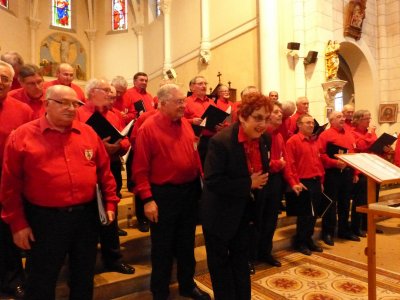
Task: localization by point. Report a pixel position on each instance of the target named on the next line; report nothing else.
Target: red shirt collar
(140, 91)
(45, 125)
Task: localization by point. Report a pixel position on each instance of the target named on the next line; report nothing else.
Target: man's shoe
(122, 232)
(197, 294)
(349, 236)
(252, 269)
(314, 248)
(19, 292)
(303, 249)
(271, 261)
(379, 230)
(143, 226)
(360, 233)
(121, 268)
(327, 238)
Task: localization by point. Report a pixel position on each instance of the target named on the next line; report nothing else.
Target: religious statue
(331, 60)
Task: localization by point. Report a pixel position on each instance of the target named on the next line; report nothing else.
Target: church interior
(275, 45)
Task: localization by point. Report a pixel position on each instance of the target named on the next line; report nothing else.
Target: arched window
(158, 8)
(119, 15)
(4, 3)
(61, 13)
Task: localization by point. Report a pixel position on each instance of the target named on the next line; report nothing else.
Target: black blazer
(227, 182)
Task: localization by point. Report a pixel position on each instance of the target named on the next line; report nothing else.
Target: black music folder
(105, 129)
(299, 205)
(139, 106)
(384, 140)
(197, 129)
(214, 116)
(332, 149)
(319, 129)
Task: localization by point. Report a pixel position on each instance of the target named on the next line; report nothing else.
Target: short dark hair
(139, 74)
(29, 70)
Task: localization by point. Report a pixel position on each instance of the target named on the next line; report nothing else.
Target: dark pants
(269, 214)
(139, 210)
(57, 234)
(305, 224)
(116, 170)
(173, 236)
(338, 186)
(228, 264)
(11, 270)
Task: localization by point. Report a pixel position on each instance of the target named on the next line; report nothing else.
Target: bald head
(65, 74)
(348, 111)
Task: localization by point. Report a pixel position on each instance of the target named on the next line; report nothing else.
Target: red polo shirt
(336, 137)
(138, 123)
(252, 151)
(37, 105)
(53, 169)
(134, 94)
(195, 108)
(165, 152)
(13, 114)
(304, 158)
(348, 126)
(76, 88)
(85, 112)
(363, 139)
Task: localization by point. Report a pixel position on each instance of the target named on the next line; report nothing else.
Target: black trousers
(173, 236)
(305, 224)
(116, 169)
(58, 234)
(228, 264)
(338, 186)
(269, 214)
(11, 270)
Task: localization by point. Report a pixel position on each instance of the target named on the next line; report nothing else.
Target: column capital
(34, 23)
(138, 28)
(91, 34)
(165, 6)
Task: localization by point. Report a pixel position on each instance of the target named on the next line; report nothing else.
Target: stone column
(91, 35)
(166, 9)
(33, 26)
(269, 45)
(138, 28)
(205, 45)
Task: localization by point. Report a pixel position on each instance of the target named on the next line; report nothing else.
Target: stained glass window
(119, 15)
(61, 13)
(4, 3)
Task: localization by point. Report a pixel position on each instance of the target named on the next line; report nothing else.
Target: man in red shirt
(138, 92)
(348, 111)
(302, 105)
(338, 179)
(99, 92)
(50, 204)
(225, 104)
(65, 75)
(166, 174)
(16, 61)
(307, 169)
(31, 92)
(196, 105)
(122, 101)
(12, 114)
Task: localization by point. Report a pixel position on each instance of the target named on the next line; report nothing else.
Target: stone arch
(59, 48)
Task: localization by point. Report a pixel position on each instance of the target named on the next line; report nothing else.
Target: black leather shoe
(19, 292)
(121, 268)
(360, 233)
(378, 231)
(197, 294)
(143, 226)
(349, 236)
(252, 269)
(122, 232)
(327, 238)
(303, 249)
(314, 248)
(271, 261)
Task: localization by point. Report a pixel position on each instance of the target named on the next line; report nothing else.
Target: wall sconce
(171, 74)
(311, 58)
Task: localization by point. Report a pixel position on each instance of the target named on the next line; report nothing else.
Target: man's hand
(110, 216)
(23, 237)
(258, 180)
(151, 211)
(356, 178)
(297, 188)
(111, 148)
(197, 121)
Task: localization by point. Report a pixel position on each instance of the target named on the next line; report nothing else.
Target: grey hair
(358, 115)
(164, 92)
(119, 81)
(92, 84)
(7, 65)
(249, 89)
(13, 58)
(194, 79)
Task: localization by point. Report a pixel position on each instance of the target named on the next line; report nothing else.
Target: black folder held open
(105, 129)
(384, 140)
(214, 116)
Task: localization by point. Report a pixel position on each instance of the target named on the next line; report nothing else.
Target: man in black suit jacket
(235, 177)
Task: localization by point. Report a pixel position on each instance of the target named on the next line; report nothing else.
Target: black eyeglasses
(67, 103)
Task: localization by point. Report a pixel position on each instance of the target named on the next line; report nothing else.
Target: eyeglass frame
(63, 103)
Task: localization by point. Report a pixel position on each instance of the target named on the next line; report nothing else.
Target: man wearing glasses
(31, 92)
(99, 99)
(13, 114)
(48, 190)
